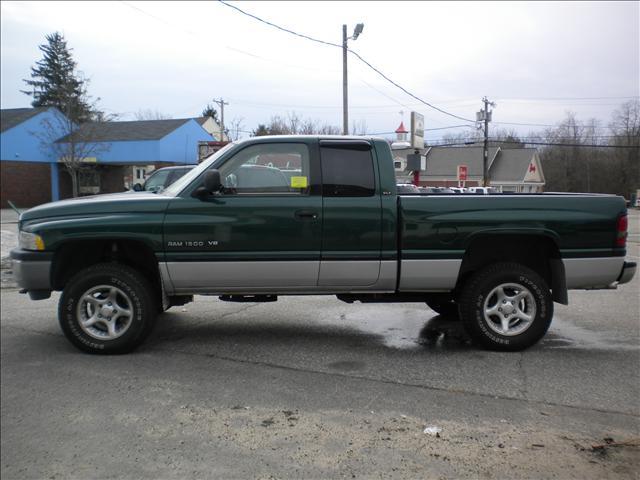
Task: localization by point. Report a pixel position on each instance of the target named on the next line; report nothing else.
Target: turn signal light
(621, 231)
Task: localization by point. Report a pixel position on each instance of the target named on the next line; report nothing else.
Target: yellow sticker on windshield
(299, 182)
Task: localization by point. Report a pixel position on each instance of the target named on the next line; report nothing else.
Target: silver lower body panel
(592, 272)
(290, 277)
(31, 275)
(429, 275)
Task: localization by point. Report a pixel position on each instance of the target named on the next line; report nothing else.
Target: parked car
(436, 190)
(407, 188)
(483, 190)
(162, 178)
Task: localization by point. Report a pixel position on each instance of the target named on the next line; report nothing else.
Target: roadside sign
(462, 173)
(417, 130)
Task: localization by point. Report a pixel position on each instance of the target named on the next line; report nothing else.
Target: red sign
(462, 172)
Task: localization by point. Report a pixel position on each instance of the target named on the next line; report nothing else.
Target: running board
(248, 298)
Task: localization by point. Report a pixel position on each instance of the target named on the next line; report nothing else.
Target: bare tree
(293, 124)
(625, 128)
(579, 166)
(72, 145)
(309, 127)
(236, 128)
(625, 124)
(148, 114)
(359, 127)
(327, 129)
(462, 138)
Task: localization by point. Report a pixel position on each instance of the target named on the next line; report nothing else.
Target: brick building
(29, 171)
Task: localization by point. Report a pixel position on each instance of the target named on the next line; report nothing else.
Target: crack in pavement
(228, 314)
(523, 375)
(366, 378)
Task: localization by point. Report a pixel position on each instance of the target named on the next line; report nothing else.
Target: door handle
(306, 215)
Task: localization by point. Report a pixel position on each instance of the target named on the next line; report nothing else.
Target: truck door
(351, 209)
(263, 232)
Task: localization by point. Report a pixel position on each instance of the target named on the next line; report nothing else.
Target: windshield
(175, 188)
(156, 181)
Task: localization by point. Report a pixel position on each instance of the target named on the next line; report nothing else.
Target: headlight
(30, 241)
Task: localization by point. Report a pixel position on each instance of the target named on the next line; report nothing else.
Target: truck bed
(436, 231)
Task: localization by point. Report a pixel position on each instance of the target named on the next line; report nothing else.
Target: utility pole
(345, 102)
(221, 103)
(485, 115)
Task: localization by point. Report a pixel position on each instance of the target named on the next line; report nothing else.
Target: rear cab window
(347, 169)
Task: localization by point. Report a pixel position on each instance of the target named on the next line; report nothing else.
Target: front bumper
(32, 272)
(627, 273)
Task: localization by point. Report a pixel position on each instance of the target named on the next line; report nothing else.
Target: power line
(554, 144)
(279, 27)
(426, 129)
(566, 98)
(357, 55)
(526, 124)
(405, 90)
(233, 49)
(445, 128)
(532, 99)
(384, 95)
(159, 19)
(550, 144)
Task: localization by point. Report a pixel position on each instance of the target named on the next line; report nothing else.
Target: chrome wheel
(105, 312)
(509, 309)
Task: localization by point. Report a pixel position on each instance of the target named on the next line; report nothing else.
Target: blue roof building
(33, 173)
(144, 141)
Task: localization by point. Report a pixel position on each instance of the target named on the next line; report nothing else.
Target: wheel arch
(535, 249)
(75, 255)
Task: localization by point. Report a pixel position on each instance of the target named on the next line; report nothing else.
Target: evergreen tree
(210, 111)
(261, 131)
(55, 82)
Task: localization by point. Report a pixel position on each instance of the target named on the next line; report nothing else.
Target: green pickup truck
(308, 215)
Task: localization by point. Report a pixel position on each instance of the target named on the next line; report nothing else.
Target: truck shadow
(437, 333)
(444, 332)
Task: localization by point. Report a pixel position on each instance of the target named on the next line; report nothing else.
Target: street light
(345, 102)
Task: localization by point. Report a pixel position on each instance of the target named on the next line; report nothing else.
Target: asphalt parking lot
(311, 387)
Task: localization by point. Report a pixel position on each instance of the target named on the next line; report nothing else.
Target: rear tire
(108, 308)
(506, 306)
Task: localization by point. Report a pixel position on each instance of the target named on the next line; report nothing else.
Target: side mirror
(210, 185)
(137, 187)
(212, 180)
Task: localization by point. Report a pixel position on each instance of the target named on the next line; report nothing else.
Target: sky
(536, 60)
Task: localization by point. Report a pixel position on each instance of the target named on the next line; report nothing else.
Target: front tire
(107, 308)
(506, 306)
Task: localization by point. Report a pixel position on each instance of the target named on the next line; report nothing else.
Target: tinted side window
(347, 172)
